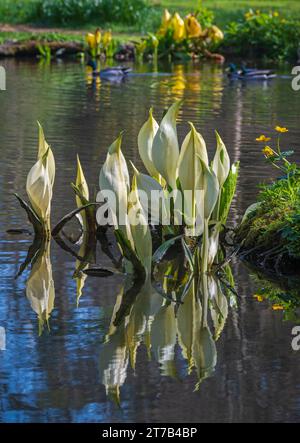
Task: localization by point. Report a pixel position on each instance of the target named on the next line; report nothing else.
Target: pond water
(59, 374)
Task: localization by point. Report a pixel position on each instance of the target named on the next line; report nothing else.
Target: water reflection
(193, 318)
(40, 289)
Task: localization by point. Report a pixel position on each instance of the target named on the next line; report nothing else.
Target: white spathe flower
(140, 232)
(39, 188)
(165, 150)
(190, 170)
(43, 148)
(221, 161)
(114, 177)
(145, 143)
(211, 187)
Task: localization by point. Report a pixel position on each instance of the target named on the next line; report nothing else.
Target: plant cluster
(272, 224)
(261, 34)
(194, 196)
(192, 36)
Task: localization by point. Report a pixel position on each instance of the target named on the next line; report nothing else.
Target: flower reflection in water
(160, 316)
(40, 289)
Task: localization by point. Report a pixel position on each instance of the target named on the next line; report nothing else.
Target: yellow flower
(165, 22)
(280, 129)
(277, 307)
(215, 34)
(93, 40)
(275, 14)
(249, 15)
(192, 26)
(268, 152)
(107, 37)
(258, 297)
(178, 27)
(263, 138)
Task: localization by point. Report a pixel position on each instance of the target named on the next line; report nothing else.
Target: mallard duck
(112, 72)
(249, 73)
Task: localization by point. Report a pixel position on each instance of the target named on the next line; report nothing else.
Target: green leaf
(161, 251)
(228, 192)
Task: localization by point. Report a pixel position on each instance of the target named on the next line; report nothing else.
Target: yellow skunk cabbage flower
(215, 34)
(221, 161)
(81, 184)
(140, 232)
(43, 148)
(40, 286)
(165, 22)
(165, 149)
(39, 189)
(145, 143)
(192, 26)
(114, 177)
(107, 38)
(177, 24)
(93, 40)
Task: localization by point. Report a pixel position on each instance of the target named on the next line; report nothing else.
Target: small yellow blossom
(192, 26)
(277, 307)
(268, 152)
(263, 138)
(93, 40)
(280, 129)
(177, 24)
(107, 38)
(258, 297)
(275, 14)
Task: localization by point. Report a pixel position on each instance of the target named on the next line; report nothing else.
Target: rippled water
(58, 376)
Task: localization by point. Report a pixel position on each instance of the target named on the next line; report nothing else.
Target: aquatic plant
(39, 188)
(182, 38)
(184, 196)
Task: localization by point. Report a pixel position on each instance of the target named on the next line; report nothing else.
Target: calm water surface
(60, 375)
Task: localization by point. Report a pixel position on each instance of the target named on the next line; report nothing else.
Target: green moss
(276, 221)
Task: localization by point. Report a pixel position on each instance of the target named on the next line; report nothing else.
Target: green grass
(228, 10)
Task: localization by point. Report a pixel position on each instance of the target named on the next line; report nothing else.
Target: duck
(114, 72)
(249, 73)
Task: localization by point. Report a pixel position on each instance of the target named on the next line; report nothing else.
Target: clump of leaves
(278, 36)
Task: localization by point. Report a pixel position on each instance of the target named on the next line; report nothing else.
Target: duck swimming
(249, 73)
(111, 73)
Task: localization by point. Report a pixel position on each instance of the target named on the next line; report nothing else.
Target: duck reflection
(191, 317)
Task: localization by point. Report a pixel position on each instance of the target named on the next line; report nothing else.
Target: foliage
(275, 222)
(72, 12)
(261, 34)
(182, 38)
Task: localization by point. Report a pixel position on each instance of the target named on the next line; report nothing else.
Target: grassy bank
(130, 15)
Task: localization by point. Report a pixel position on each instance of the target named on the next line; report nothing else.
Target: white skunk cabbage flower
(165, 150)
(145, 143)
(211, 187)
(82, 185)
(213, 244)
(43, 148)
(150, 190)
(114, 177)
(39, 189)
(140, 232)
(221, 161)
(190, 169)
